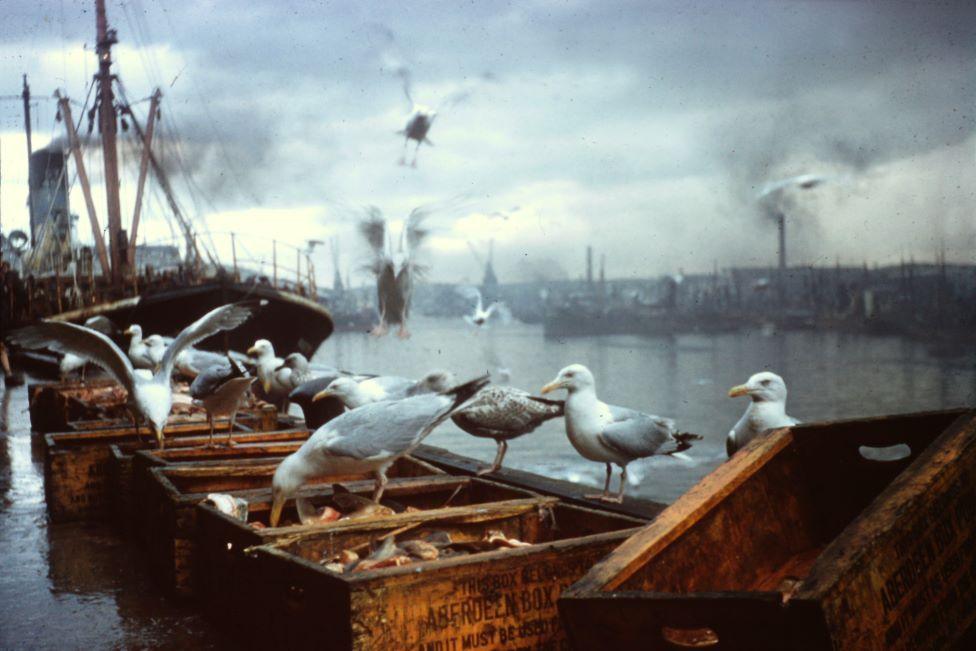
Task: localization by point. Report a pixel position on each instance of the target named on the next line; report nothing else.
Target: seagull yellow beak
(276, 506)
(267, 386)
(737, 391)
(128, 331)
(555, 385)
(324, 393)
(159, 437)
(252, 350)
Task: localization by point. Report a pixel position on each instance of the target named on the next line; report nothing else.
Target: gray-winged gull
(265, 366)
(151, 398)
(138, 351)
(221, 390)
(612, 434)
(504, 413)
(766, 410)
(368, 439)
(356, 392)
(70, 362)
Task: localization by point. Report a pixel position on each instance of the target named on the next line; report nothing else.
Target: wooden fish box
(55, 404)
(222, 539)
(500, 599)
(77, 475)
(129, 467)
(804, 539)
(169, 517)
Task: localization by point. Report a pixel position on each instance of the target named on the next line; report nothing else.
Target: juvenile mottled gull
(504, 413)
(221, 390)
(767, 409)
(611, 434)
(150, 397)
(368, 439)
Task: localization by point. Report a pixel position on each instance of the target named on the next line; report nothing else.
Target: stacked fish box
(479, 576)
(130, 468)
(848, 535)
(168, 520)
(53, 405)
(222, 538)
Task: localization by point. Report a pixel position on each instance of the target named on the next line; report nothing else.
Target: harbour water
(686, 378)
(81, 586)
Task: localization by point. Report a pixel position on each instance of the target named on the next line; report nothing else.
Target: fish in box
(847, 535)
(491, 591)
(222, 539)
(168, 507)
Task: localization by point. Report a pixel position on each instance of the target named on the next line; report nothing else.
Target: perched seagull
(70, 362)
(504, 413)
(368, 439)
(612, 434)
(355, 393)
(767, 409)
(293, 372)
(266, 365)
(317, 413)
(221, 390)
(155, 349)
(149, 397)
(138, 351)
(395, 271)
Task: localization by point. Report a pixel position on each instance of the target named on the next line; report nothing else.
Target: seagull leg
(403, 156)
(403, 333)
(619, 498)
(415, 152)
(502, 447)
(606, 488)
(210, 420)
(230, 430)
(380, 485)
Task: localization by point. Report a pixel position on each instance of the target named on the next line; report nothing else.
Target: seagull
(481, 316)
(395, 271)
(70, 362)
(368, 439)
(317, 413)
(611, 434)
(504, 413)
(138, 352)
(355, 393)
(266, 365)
(149, 397)
(192, 361)
(155, 349)
(293, 372)
(418, 125)
(767, 410)
(221, 390)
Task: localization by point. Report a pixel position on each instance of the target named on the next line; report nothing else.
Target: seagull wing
(636, 434)
(373, 230)
(384, 429)
(81, 341)
(209, 380)
(225, 317)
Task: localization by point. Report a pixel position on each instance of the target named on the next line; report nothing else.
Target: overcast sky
(644, 128)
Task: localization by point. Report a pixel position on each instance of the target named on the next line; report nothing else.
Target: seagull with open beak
(608, 433)
(766, 410)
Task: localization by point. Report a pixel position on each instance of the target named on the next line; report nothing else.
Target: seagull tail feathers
(683, 442)
(463, 392)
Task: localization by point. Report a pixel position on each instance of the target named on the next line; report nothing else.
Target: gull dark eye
(765, 383)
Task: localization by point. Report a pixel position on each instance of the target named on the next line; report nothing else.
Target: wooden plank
(567, 491)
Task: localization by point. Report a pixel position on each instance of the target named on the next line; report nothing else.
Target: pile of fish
(431, 547)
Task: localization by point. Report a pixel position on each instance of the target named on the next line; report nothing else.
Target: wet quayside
(73, 585)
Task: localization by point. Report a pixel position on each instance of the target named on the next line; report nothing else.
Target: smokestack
(781, 228)
(589, 265)
(603, 268)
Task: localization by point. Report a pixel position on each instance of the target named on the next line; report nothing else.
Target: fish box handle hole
(690, 638)
(887, 453)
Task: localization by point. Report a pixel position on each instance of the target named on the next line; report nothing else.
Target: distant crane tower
(589, 265)
(337, 277)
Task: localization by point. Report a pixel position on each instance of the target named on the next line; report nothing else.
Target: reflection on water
(72, 585)
(829, 376)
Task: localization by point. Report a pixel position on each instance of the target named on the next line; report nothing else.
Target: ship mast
(107, 125)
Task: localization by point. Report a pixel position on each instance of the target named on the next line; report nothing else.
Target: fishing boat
(51, 275)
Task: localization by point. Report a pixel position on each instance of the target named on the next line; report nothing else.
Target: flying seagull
(612, 434)
(395, 271)
(504, 413)
(480, 316)
(368, 439)
(221, 390)
(766, 410)
(150, 397)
